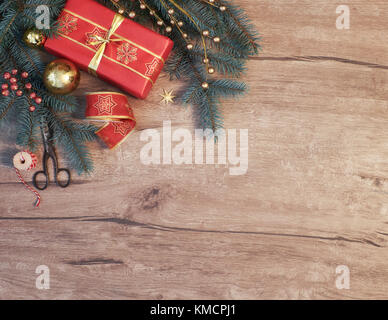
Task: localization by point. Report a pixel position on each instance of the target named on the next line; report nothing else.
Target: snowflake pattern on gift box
(91, 37)
(67, 24)
(123, 127)
(126, 53)
(105, 105)
(152, 67)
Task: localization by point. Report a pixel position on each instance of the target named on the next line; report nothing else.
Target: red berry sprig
(16, 85)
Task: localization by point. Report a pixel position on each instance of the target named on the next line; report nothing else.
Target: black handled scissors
(49, 153)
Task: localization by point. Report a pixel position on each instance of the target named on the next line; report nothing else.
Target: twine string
(37, 202)
(23, 161)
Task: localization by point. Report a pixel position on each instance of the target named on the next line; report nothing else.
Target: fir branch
(240, 26)
(239, 39)
(65, 134)
(8, 27)
(6, 107)
(27, 133)
(28, 58)
(227, 88)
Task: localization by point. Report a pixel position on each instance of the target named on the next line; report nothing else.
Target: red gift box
(115, 49)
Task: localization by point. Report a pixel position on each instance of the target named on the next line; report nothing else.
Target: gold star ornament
(167, 96)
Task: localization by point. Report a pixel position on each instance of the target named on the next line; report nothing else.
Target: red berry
(24, 74)
(4, 86)
(13, 80)
(7, 75)
(28, 86)
(5, 93)
(38, 100)
(32, 95)
(19, 93)
(14, 71)
(14, 87)
(32, 108)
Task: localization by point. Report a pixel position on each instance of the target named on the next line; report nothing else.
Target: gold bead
(205, 61)
(180, 23)
(190, 46)
(121, 10)
(61, 76)
(211, 1)
(172, 22)
(132, 14)
(171, 11)
(152, 12)
(205, 85)
(205, 33)
(34, 38)
(211, 70)
(142, 6)
(168, 29)
(160, 23)
(222, 8)
(184, 35)
(216, 39)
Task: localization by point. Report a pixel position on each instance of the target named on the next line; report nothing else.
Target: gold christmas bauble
(34, 38)
(61, 76)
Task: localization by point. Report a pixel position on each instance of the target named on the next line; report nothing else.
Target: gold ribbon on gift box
(95, 62)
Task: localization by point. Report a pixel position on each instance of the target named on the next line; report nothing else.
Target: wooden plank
(314, 196)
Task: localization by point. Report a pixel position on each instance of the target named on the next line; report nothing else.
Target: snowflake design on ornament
(105, 105)
(126, 53)
(68, 24)
(123, 127)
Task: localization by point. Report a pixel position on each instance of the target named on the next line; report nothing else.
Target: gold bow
(95, 62)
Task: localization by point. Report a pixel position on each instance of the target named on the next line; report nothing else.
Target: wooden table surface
(314, 197)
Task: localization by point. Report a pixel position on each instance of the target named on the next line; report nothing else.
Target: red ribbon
(114, 108)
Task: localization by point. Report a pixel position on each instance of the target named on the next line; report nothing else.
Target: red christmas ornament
(32, 108)
(24, 74)
(5, 93)
(4, 86)
(7, 75)
(14, 87)
(14, 71)
(38, 100)
(19, 93)
(13, 80)
(32, 95)
(28, 86)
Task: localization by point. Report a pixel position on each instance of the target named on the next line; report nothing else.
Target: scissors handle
(35, 182)
(66, 182)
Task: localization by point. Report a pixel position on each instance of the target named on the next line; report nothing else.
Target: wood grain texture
(314, 197)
